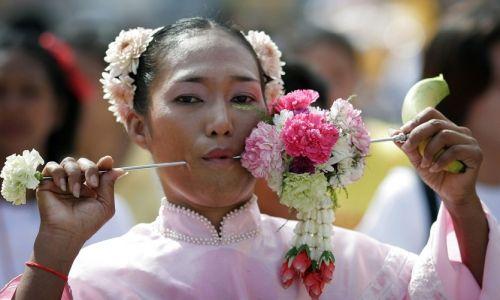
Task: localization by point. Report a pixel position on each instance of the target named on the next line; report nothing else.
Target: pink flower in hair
(296, 101)
(309, 135)
(263, 148)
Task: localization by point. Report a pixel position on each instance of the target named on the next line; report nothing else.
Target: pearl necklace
(215, 239)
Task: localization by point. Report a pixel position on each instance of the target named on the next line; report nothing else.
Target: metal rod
(397, 138)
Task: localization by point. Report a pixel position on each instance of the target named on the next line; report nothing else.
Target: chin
(226, 189)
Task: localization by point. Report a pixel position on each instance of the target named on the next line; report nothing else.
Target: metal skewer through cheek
(397, 138)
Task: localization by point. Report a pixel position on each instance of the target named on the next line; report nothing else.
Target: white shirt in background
(399, 213)
(19, 227)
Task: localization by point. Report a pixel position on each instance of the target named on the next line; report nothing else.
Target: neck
(213, 214)
(488, 173)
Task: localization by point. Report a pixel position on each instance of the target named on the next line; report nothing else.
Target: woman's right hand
(77, 201)
(73, 206)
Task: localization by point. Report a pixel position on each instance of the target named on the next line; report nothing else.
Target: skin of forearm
(471, 229)
(55, 252)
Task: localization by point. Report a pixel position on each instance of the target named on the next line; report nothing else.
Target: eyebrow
(198, 79)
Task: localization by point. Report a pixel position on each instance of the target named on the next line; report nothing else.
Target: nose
(220, 122)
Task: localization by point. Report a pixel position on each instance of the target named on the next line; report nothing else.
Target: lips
(219, 154)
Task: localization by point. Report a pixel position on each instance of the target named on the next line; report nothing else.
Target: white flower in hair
(270, 58)
(274, 90)
(119, 91)
(123, 54)
(267, 52)
(19, 173)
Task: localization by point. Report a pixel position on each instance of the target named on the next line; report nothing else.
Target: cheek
(170, 138)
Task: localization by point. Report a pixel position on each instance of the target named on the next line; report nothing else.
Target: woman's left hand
(457, 143)
(458, 191)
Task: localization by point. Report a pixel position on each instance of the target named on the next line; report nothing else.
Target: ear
(137, 129)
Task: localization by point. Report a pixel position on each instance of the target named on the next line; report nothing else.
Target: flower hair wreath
(123, 56)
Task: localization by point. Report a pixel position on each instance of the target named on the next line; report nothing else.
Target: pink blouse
(181, 256)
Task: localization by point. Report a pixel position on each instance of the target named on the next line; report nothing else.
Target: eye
(188, 99)
(243, 99)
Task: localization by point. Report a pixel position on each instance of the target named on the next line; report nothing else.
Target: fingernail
(62, 184)
(76, 190)
(391, 131)
(406, 125)
(94, 180)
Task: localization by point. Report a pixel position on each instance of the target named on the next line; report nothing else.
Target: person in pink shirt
(210, 240)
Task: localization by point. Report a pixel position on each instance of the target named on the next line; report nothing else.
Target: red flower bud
(287, 275)
(314, 284)
(326, 271)
(301, 262)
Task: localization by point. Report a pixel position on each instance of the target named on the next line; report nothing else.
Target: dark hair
(299, 76)
(61, 141)
(460, 51)
(167, 39)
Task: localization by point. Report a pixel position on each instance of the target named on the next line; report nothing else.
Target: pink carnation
(298, 100)
(360, 136)
(309, 135)
(263, 150)
(349, 118)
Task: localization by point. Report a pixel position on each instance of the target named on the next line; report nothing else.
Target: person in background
(466, 50)
(335, 58)
(93, 142)
(40, 101)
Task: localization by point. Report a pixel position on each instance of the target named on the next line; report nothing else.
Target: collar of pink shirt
(182, 224)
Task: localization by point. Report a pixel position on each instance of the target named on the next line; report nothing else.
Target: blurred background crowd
(51, 59)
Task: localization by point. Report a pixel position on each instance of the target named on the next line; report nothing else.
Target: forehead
(210, 53)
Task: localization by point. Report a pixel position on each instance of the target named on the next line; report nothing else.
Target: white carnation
(349, 170)
(275, 181)
(19, 173)
(343, 149)
(280, 119)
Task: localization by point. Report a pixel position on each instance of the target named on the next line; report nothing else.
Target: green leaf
(327, 257)
(291, 253)
(333, 196)
(304, 248)
(39, 175)
(352, 97)
(263, 115)
(314, 265)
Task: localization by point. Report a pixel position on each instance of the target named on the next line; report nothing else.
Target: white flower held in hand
(19, 173)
